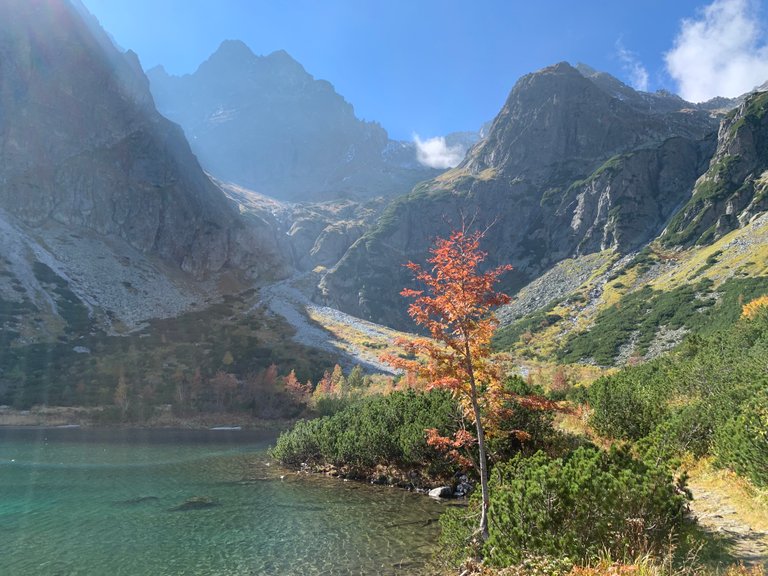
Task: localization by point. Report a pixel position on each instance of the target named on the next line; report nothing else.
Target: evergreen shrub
(589, 503)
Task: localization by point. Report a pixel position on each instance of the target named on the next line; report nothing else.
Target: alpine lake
(89, 502)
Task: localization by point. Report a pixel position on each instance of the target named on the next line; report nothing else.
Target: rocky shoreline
(457, 487)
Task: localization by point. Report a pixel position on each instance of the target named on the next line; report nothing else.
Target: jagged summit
(263, 122)
(557, 120)
(235, 59)
(233, 49)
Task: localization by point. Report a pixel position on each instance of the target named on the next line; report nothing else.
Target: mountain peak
(233, 56)
(158, 70)
(559, 68)
(234, 49)
(264, 122)
(281, 56)
(281, 60)
(233, 60)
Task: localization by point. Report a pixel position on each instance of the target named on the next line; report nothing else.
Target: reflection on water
(85, 502)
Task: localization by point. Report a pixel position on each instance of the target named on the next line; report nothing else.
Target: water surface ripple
(100, 503)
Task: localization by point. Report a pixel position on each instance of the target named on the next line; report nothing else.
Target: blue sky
(430, 67)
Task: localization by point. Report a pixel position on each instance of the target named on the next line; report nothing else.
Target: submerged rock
(138, 500)
(196, 503)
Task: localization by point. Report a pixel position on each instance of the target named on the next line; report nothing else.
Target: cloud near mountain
(638, 73)
(721, 52)
(436, 153)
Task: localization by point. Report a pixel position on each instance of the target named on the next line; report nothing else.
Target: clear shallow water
(98, 503)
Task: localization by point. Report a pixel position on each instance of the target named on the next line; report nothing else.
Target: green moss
(551, 197)
(392, 214)
(610, 166)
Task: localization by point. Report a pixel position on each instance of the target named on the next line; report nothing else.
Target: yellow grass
(749, 257)
(366, 340)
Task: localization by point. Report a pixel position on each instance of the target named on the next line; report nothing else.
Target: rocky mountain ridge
(264, 123)
(569, 166)
(734, 188)
(109, 221)
(611, 309)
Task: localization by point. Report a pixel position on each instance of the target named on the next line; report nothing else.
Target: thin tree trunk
(480, 447)
(483, 465)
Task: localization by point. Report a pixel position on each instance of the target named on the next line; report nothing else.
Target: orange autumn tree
(456, 308)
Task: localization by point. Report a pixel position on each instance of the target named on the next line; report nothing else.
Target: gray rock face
(734, 188)
(556, 124)
(627, 201)
(570, 166)
(317, 241)
(334, 241)
(268, 125)
(81, 144)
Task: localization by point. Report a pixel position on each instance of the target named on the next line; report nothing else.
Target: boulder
(441, 492)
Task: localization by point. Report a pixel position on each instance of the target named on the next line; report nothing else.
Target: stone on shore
(441, 492)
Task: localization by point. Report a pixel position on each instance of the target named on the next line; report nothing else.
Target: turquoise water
(99, 503)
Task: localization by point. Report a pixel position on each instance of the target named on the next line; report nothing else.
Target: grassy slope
(613, 303)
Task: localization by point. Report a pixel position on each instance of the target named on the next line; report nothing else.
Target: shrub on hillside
(679, 404)
(514, 416)
(369, 431)
(630, 403)
(742, 443)
(588, 503)
(687, 429)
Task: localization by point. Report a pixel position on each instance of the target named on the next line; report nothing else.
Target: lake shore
(89, 417)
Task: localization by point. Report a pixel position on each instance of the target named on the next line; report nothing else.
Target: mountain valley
(110, 222)
(229, 256)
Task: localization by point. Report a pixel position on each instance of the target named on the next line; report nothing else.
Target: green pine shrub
(580, 506)
(387, 430)
(704, 398)
(631, 403)
(517, 416)
(742, 443)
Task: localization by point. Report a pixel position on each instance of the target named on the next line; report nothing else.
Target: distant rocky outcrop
(574, 162)
(264, 123)
(734, 188)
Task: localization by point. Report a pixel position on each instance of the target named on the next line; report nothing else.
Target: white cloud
(721, 52)
(638, 75)
(435, 153)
